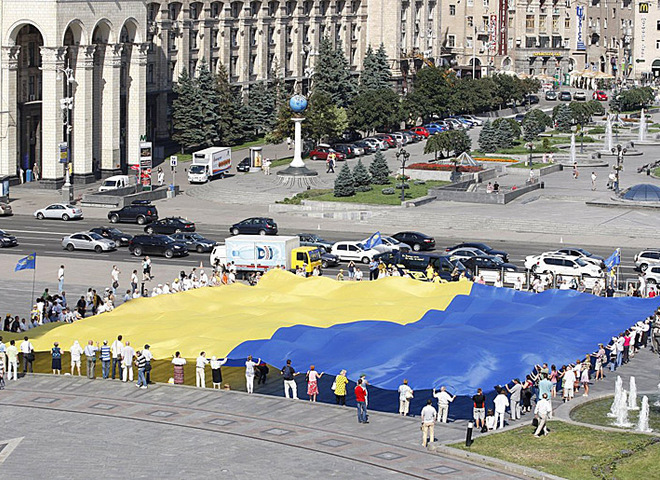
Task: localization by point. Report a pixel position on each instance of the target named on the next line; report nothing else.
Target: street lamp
(403, 156)
(66, 105)
(530, 145)
(581, 139)
(619, 151)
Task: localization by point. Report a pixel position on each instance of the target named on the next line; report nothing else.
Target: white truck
(208, 163)
(118, 181)
(257, 253)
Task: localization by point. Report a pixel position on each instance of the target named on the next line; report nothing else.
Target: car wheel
(65, 217)
(324, 264)
(98, 249)
(314, 157)
(644, 267)
(40, 216)
(262, 232)
(365, 260)
(417, 247)
(114, 218)
(141, 220)
(70, 247)
(150, 230)
(651, 281)
(137, 251)
(200, 249)
(169, 253)
(234, 231)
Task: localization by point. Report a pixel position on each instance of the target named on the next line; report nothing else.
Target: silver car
(5, 209)
(61, 211)
(88, 241)
(646, 258)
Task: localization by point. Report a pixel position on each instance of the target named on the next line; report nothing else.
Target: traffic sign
(173, 161)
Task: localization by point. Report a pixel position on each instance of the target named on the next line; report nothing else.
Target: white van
(117, 181)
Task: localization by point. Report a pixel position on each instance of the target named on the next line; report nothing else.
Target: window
(470, 22)
(451, 41)
(567, 23)
(254, 9)
(171, 72)
(272, 8)
(215, 9)
(214, 38)
(233, 37)
(355, 6)
(289, 34)
(194, 11)
(452, 9)
(253, 36)
(354, 35)
(271, 35)
(486, 3)
(530, 42)
(529, 22)
(253, 63)
(233, 66)
(307, 7)
(290, 8)
(236, 9)
(542, 23)
(339, 6)
(150, 73)
(468, 42)
(306, 39)
(657, 25)
(324, 8)
(193, 39)
(555, 23)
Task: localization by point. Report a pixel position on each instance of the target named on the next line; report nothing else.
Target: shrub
(404, 185)
(364, 188)
(388, 191)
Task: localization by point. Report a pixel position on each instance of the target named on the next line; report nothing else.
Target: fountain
(622, 412)
(608, 134)
(643, 423)
(573, 152)
(657, 404)
(642, 126)
(632, 396)
(618, 391)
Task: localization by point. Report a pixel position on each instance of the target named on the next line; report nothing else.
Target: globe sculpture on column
(297, 171)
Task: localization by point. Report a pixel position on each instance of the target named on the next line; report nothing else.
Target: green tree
(243, 127)
(513, 125)
(473, 95)
(379, 170)
(332, 74)
(186, 113)
(325, 120)
(488, 138)
(375, 110)
(460, 142)
(431, 93)
(636, 98)
(219, 93)
(344, 183)
(580, 112)
(534, 123)
(211, 104)
(376, 73)
(434, 144)
(562, 116)
(262, 105)
(505, 135)
(361, 177)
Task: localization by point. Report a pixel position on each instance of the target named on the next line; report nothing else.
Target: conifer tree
(361, 177)
(344, 183)
(379, 170)
(488, 138)
(186, 113)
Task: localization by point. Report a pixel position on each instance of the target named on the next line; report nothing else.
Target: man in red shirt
(361, 399)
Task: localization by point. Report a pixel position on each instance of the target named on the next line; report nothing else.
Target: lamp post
(530, 145)
(403, 156)
(66, 105)
(619, 151)
(581, 139)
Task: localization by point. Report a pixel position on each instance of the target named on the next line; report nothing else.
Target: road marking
(8, 446)
(40, 231)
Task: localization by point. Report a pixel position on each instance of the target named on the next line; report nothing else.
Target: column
(137, 101)
(110, 132)
(83, 140)
(52, 60)
(9, 151)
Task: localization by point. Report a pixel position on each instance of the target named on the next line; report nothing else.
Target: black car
(417, 241)
(367, 147)
(483, 247)
(533, 99)
(329, 260)
(254, 226)
(488, 263)
(312, 240)
(415, 264)
(244, 165)
(345, 148)
(112, 233)
(170, 225)
(7, 240)
(156, 245)
(565, 96)
(194, 241)
(140, 212)
(519, 117)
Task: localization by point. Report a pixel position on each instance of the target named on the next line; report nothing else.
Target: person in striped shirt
(106, 358)
(141, 363)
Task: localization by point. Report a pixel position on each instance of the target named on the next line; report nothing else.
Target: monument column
(52, 171)
(110, 153)
(9, 151)
(83, 140)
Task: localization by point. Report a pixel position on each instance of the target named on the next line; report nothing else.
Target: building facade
(645, 60)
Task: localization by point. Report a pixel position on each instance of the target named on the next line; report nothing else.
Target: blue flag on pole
(613, 260)
(27, 263)
(373, 240)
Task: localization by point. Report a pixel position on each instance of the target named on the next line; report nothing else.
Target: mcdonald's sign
(643, 8)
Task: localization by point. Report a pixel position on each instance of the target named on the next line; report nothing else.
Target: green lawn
(374, 197)
(280, 162)
(535, 165)
(656, 171)
(596, 413)
(575, 452)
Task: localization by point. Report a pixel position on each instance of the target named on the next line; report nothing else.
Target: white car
(647, 258)
(389, 244)
(581, 253)
(476, 121)
(88, 241)
(60, 211)
(561, 265)
(464, 253)
(347, 251)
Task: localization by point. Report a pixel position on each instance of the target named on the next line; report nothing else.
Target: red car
(391, 141)
(321, 153)
(600, 95)
(421, 131)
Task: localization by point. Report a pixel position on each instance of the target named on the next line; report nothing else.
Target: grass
(281, 161)
(535, 165)
(656, 171)
(574, 452)
(373, 197)
(595, 413)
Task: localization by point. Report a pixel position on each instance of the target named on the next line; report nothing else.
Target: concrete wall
(481, 197)
(123, 196)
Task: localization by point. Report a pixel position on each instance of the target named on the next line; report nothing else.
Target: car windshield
(115, 231)
(496, 260)
(197, 169)
(96, 236)
(580, 262)
(359, 245)
(584, 252)
(109, 183)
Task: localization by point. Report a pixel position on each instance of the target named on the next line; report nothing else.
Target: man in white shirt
(3, 357)
(249, 373)
(90, 354)
(115, 350)
(405, 394)
(501, 402)
(148, 356)
(60, 279)
(543, 411)
(76, 351)
(127, 354)
(443, 403)
(200, 373)
(429, 416)
(28, 356)
(568, 382)
(12, 360)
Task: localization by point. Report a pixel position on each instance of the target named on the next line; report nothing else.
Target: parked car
(653, 276)
(356, 251)
(321, 152)
(433, 128)
(7, 239)
(475, 120)
(417, 240)
(519, 117)
(415, 264)
(464, 253)
(646, 258)
(329, 260)
(551, 95)
(600, 96)
(377, 143)
(488, 262)
(561, 265)
(313, 240)
(359, 150)
(5, 209)
(112, 233)
(170, 225)
(583, 254)
(62, 211)
(194, 241)
(156, 245)
(580, 96)
(254, 226)
(88, 241)
(347, 149)
(484, 248)
(367, 147)
(389, 139)
(243, 165)
(565, 96)
(456, 124)
(533, 99)
(139, 211)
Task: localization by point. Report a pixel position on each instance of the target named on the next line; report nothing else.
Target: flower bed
(444, 167)
(493, 159)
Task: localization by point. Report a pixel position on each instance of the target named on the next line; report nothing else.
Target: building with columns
(92, 52)
(645, 59)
